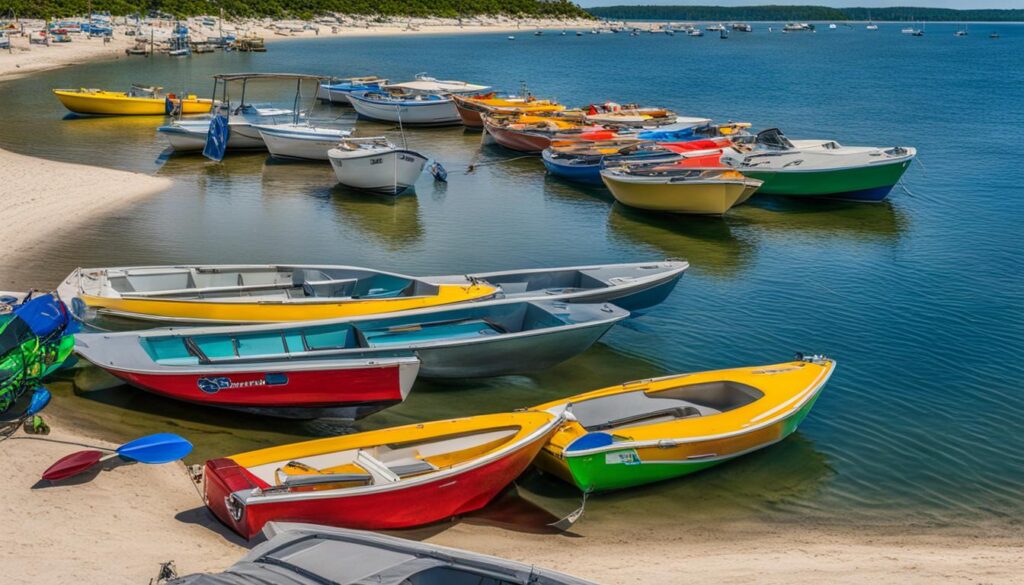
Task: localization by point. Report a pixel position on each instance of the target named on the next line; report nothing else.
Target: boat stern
(226, 486)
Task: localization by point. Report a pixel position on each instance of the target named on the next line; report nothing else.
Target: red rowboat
(385, 479)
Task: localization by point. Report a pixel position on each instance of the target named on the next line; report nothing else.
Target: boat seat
(296, 473)
(417, 333)
(341, 287)
(410, 466)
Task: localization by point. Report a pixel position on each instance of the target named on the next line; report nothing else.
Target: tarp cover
(304, 554)
(44, 315)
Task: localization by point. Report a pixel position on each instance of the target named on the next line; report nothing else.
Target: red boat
(345, 387)
(378, 480)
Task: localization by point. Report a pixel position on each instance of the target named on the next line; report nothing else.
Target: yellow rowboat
(653, 430)
(378, 480)
(471, 107)
(138, 101)
(679, 189)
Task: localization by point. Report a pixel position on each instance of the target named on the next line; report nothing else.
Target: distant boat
(723, 34)
(993, 35)
(579, 33)
(961, 32)
(871, 25)
(832, 26)
(741, 27)
(511, 38)
(538, 33)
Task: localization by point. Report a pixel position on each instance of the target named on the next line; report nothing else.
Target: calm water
(919, 299)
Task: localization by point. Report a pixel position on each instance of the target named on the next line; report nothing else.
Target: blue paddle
(152, 449)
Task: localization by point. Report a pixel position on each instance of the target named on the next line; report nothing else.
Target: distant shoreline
(787, 13)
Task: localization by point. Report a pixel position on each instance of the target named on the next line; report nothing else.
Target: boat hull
(114, 105)
(388, 173)
(528, 142)
(870, 183)
(281, 145)
(405, 507)
(286, 390)
(470, 114)
(191, 137)
(696, 199)
(427, 113)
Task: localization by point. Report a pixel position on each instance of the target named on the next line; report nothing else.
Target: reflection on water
(790, 217)
(393, 222)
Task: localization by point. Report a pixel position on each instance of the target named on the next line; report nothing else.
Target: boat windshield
(773, 138)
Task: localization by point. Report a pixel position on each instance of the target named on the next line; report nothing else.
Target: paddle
(152, 449)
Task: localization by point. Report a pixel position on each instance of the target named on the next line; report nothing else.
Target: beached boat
(679, 188)
(819, 168)
(233, 126)
(470, 107)
(274, 293)
(423, 84)
(390, 478)
(337, 90)
(300, 141)
(137, 101)
(35, 340)
(411, 109)
(311, 553)
(375, 164)
(658, 429)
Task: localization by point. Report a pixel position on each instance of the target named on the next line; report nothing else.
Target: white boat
(337, 90)
(190, 135)
(375, 164)
(300, 141)
(413, 109)
(871, 26)
(423, 84)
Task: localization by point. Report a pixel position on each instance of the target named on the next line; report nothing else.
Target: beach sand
(118, 525)
(23, 58)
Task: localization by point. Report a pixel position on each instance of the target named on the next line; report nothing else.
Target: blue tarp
(217, 138)
(44, 315)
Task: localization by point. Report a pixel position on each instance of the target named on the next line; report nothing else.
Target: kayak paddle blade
(73, 464)
(153, 449)
(40, 398)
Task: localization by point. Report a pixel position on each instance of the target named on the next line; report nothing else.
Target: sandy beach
(119, 524)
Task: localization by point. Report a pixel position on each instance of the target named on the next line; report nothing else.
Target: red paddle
(73, 464)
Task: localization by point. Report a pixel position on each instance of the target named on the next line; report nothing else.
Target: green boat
(35, 340)
(819, 168)
(654, 430)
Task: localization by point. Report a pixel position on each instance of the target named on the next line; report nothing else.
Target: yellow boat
(472, 107)
(653, 430)
(259, 293)
(677, 188)
(138, 101)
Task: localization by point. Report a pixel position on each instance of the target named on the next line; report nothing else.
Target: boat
(832, 26)
(233, 126)
(312, 553)
(798, 27)
(419, 109)
(961, 32)
(993, 35)
(375, 164)
(300, 141)
(391, 478)
(742, 27)
(818, 168)
(714, 28)
(695, 32)
(676, 188)
(611, 113)
(337, 90)
(582, 162)
(245, 293)
(470, 107)
(871, 26)
(663, 428)
(36, 337)
(526, 133)
(423, 84)
(137, 101)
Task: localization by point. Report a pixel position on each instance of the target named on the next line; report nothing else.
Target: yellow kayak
(652, 430)
(136, 102)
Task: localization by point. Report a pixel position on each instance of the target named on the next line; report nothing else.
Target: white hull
(336, 96)
(311, 144)
(191, 136)
(389, 172)
(428, 113)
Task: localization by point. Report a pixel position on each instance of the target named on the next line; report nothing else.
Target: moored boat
(470, 107)
(375, 164)
(582, 162)
(299, 141)
(819, 168)
(273, 293)
(137, 101)
(337, 90)
(424, 84)
(679, 188)
(312, 553)
(653, 430)
(530, 134)
(413, 109)
(390, 478)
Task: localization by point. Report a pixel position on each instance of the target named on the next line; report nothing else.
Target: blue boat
(338, 90)
(584, 165)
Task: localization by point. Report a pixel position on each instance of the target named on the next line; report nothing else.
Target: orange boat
(472, 107)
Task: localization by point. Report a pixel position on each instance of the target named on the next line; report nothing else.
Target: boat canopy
(245, 76)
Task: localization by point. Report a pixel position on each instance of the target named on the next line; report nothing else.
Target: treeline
(297, 8)
(801, 13)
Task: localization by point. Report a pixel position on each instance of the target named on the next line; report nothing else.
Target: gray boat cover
(307, 554)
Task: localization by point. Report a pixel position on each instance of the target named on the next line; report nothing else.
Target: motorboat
(390, 478)
(678, 188)
(300, 141)
(818, 168)
(263, 293)
(337, 90)
(418, 109)
(375, 164)
(312, 553)
(423, 84)
(137, 101)
(663, 428)
(530, 134)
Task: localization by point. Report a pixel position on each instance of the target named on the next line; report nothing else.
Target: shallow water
(919, 298)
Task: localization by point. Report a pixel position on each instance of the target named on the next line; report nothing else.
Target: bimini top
(244, 76)
(304, 554)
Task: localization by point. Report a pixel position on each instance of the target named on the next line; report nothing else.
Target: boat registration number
(213, 385)
(622, 457)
